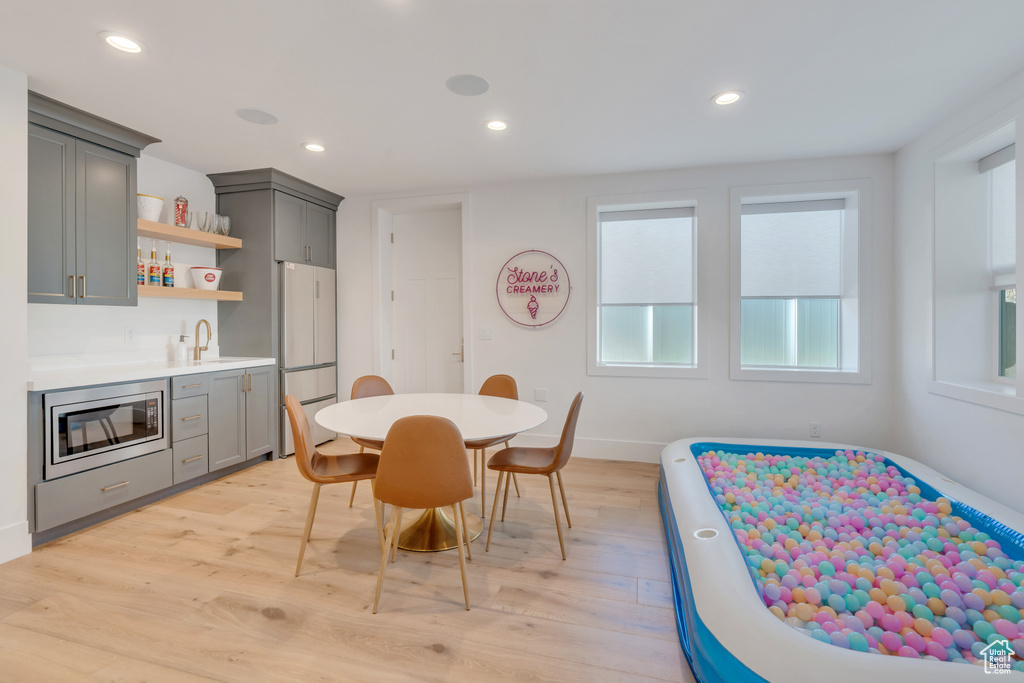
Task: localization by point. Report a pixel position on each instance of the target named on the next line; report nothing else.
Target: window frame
(855, 334)
(972, 144)
(638, 201)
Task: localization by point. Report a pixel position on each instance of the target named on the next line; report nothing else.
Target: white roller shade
(647, 256)
(791, 249)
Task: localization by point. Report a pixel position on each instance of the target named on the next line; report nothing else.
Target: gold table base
(434, 530)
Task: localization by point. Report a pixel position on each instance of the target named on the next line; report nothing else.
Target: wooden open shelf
(172, 233)
(188, 293)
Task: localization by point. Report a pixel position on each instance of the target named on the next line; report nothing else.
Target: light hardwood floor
(200, 587)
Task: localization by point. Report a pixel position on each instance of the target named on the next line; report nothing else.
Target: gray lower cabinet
(190, 421)
(243, 415)
(227, 418)
(261, 411)
(191, 458)
(65, 500)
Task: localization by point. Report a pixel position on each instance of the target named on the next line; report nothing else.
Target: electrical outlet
(486, 333)
(540, 395)
(129, 335)
(816, 430)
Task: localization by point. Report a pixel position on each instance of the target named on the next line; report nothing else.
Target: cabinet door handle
(193, 417)
(82, 278)
(72, 288)
(115, 486)
(198, 457)
(250, 383)
(190, 386)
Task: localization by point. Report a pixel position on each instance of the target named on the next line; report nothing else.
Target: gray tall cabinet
(282, 220)
(81, 206)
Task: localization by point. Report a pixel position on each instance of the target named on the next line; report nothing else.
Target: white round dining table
(477, 417)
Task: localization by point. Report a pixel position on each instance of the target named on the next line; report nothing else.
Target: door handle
(250, 383)
(193, 417)
(82, 278)
(72, 289)
(198, 457)
(115, 486)
(462, 352)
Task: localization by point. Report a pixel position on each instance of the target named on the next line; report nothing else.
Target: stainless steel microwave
(88, 428)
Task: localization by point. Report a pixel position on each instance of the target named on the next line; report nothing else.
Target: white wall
(14, 536)
(630, 418)
(99, 331)
(977, 445)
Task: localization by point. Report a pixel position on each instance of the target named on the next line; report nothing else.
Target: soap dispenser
(181, 349)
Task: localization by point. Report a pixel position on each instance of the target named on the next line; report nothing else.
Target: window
(975, 269)
(644, 294)
(1001, 177)
(790, 283)
(797, 310)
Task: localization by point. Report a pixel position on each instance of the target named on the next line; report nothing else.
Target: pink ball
(1006, 629)
(907, 651)
(914, 640)
(942, 636)
(875, 610)
(935, 650)
(891, 641)
(890, 623)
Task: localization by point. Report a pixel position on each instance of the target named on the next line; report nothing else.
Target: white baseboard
(599, 449)
(15, 541)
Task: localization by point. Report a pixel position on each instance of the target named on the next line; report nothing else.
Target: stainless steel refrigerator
(308, 345)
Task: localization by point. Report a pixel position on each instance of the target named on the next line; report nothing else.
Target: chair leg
(554, 505)
(504, 501)
(377, 512)
(313, 499)
(565, 503)
(462, 513)
(398, 529)
(483, 481)
(390, 538)
(474, 468)
(462, 557)
(514, 480)
(352, 498)
(494, 511)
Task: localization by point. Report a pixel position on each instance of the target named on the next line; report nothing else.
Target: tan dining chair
(326, 469)
(501, 386)
(423, 465)
(365, 387)
(546, 461)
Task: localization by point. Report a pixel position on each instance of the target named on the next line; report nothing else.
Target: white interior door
(427, 308)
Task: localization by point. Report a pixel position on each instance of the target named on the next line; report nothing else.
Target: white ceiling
(587, 86)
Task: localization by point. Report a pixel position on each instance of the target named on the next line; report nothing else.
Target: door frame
(384, 211)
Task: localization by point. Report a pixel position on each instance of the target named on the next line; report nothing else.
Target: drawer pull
(191, 386)
(115, 486)
(193, 417)
(198, 457)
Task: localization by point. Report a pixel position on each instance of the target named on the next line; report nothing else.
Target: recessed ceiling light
(122, 42)
(468, 85)
(727, 97)
(258, 116)
(313, 147)
(496, 125)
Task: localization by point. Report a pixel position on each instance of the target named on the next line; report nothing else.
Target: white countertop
(87, 375)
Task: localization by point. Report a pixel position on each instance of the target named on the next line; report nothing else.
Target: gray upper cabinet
(303, 231)
(81, 206)
(289, 228)
(320, 235)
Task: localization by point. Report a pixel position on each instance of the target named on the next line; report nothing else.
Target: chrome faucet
(197, 353)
